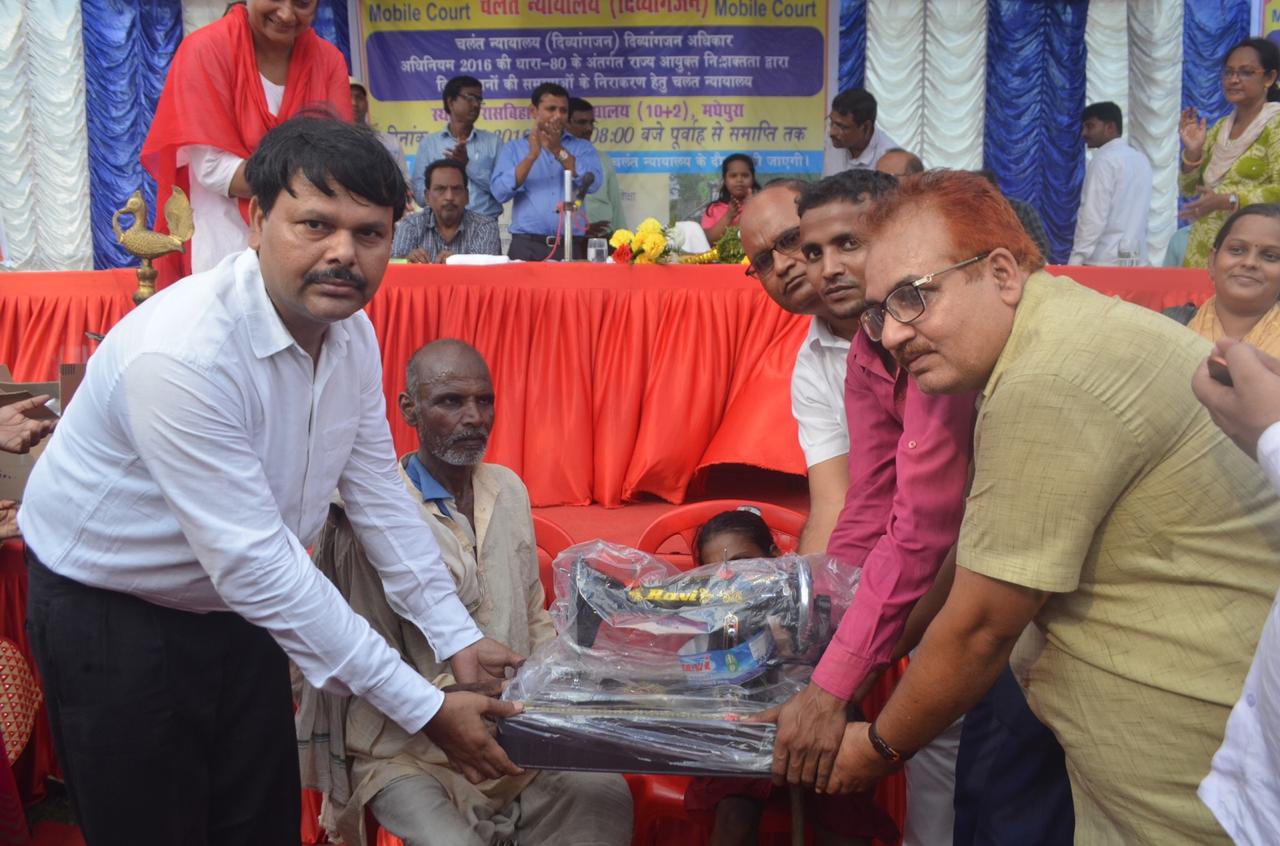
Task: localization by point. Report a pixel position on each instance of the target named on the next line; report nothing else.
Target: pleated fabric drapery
(853, 44)
(1034, 97)
(930, 97)
(1155, 54)
(44, 173)
(1209, 29)
(127, 49)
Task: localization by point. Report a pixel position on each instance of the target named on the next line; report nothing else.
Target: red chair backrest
(551, 540)
(684, 521)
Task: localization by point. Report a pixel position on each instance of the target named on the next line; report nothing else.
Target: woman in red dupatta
(229, 84)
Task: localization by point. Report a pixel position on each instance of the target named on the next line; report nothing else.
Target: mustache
(336, 274)
(467, 433)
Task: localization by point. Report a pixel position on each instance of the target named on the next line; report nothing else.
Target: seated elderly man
(1108, 518)
(479, 514)
(446, 227)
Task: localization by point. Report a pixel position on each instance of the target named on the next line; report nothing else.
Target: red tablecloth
(612, 381)
(37, 760)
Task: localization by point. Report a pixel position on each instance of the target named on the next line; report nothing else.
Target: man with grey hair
(479, 514)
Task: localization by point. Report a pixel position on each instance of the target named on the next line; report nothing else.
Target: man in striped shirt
(445, 227)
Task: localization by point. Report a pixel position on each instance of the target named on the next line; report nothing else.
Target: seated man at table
(446, 227)
(479, 514)
(530, 172)
(20, 430)
(770, 228)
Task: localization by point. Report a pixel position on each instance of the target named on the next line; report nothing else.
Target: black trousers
(1011, 775)
(537, 247)
(172, 728)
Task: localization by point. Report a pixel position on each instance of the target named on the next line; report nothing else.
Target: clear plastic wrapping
(654, 669)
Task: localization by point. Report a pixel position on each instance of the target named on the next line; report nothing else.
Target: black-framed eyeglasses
(905, 304)
(787, 244)
(473, 99)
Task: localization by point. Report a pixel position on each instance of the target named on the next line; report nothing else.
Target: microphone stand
(567, 216)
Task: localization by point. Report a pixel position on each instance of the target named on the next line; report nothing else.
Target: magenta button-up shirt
(909, 456)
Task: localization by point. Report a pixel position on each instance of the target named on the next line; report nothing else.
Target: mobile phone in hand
(1218, 370)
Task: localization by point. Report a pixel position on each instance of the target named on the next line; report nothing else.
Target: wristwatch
(884, 749)
(563, 155)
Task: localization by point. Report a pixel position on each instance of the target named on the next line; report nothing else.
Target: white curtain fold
(1155, 95)
(44, 159)
(1106, 39)
(198, 13)
(927, 67)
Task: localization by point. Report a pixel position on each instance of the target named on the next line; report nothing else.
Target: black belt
(547, 240)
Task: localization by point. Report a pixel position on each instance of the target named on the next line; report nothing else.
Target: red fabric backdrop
(612, 381)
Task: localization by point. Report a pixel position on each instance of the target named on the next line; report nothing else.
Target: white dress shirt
(1114, 205)
(197, 464)
(817, 394)
(1243, 787)
(838, 160)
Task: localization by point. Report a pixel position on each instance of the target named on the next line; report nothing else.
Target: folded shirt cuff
(407, 699)
(840, 671)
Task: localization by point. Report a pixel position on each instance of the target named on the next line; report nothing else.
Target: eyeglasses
(1242, 74)
(473, 99)
(787, 244)
(906, 304)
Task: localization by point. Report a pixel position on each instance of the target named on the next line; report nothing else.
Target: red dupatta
(213, 96)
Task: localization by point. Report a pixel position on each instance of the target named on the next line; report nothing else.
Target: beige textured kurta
(501, 589)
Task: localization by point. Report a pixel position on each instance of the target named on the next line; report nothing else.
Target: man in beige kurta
(480, 516)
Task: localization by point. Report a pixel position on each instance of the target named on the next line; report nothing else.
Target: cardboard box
(15, 469)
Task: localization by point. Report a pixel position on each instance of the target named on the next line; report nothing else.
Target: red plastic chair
(683, 523)
(552, 539)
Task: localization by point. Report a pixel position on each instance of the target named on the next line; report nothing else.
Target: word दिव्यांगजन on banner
(677, 85)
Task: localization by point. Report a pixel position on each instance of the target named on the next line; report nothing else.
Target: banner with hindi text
(677, 85)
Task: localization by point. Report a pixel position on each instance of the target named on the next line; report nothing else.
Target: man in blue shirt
(475, 149)
(531, 170)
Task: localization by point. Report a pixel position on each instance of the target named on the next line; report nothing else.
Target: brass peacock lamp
(148, 245)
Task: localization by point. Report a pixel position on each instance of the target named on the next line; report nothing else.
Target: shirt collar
(820, 335)
(431, 490)
(429, 218)
(267, 332)
(1039, 289)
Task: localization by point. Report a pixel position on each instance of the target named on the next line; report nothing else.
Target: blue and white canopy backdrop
(964, 83)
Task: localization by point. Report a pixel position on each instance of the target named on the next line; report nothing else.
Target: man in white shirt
(1243, 787)
(855, 140)
(168, 520)
(1116, 198)
(771, 240)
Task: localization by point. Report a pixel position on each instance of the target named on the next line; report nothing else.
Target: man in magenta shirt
(908, 467)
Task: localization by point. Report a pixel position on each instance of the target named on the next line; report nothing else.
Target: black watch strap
(882, 748)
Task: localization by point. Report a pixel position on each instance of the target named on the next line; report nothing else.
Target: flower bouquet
(649, 244)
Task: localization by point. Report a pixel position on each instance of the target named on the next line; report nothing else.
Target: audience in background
(530, 172)
(1237, 162)
(1111, 223)
(900, 162)
(446, 227)
(1245, 267)
(737, 184)
(461, 140)
(604, 207)
(851, 128)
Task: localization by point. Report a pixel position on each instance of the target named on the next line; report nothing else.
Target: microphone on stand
(588, 179)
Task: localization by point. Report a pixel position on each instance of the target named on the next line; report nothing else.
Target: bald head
(899, 162)
(447, 358)
(770, 231)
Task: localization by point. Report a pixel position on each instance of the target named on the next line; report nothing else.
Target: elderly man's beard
(462, 448)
